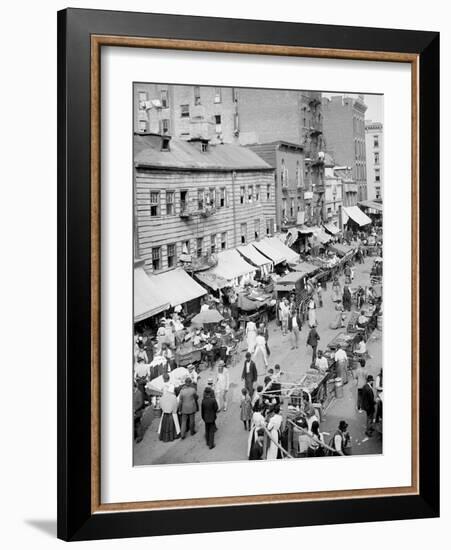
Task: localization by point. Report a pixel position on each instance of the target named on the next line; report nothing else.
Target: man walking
(249, 374)
(209, 408)
(368, 404)
(294, 326)
(312, 340)
(284, 309)
(361, 375)
(188, 405)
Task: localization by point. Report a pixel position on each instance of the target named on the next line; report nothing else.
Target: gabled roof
(187, 156)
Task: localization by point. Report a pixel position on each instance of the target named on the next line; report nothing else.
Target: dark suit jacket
(252, 372)
(368, 399)
(188, 400)
(313, 337)
(209, 408)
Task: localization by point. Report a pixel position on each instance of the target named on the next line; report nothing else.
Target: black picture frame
(76, 521)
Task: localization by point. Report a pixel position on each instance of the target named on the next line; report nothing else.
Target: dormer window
(165, 143)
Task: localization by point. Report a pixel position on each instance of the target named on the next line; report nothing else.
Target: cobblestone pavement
(231, 438)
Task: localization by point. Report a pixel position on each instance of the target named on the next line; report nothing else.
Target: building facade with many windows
(374, 132)
(344, 133)
(194, 199)
(287, 159)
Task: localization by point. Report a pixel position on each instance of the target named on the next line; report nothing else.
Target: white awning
(332, 228)
(230, 266)
(148, 301)
(357, 215)
(178, 286)
(251, 254)
(266, 248)
(289, 254)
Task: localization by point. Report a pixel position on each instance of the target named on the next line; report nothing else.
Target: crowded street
(231, 439)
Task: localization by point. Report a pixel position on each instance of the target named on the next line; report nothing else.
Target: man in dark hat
(340, 439)
(368, 404)
(249, 374)
(188, 407)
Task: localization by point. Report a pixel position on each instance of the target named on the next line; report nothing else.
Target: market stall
(231, 270)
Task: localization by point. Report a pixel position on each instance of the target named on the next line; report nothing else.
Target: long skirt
(336, 294)
(251, 337)
(169, 427)
(261, 360)
(312, 318)
(273, 449)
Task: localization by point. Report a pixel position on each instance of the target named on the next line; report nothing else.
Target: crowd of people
(260, 403)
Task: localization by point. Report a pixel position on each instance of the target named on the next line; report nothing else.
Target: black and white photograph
(258, 274)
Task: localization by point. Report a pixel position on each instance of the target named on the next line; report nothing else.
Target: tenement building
(344, 133)
(194, 199)
(234, 115)
(374, 153)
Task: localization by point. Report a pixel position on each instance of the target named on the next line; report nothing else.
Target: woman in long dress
(260, 357)
(336, 291)
(312, 313)
(273, 427)
(338, 322)
(251, 335)
(169, 427)
(257, 422)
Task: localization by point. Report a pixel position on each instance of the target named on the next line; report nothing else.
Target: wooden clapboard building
(194, 199)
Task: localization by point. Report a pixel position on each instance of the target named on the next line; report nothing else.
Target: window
(222, 197)
(257, 193)
(269, 227)
(186, 247)
(243, 233)
(284, 208)
(298, 174)
(164, 126)
(196, 95)
(268, 192)
(200, 199)
(378, 192)
(164, 99)
(291, 208)
(171, 255)
(256, 229)
(376, 142)
(250, 193)
(170, 203)
(184, 111)
(213, 243)
(242, 192)
(154, 203)
(377, 175)
(142, 96)
(223, 240)
(217, 95)
(199, 243)
(143, 125)
(156, 258)
(218, 124)
(212, 197)
(283, 174)
(376, 158)
(183, 200)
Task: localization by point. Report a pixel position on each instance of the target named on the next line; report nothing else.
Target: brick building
(374, 133)
(234, 115)
(287, 159)
(194, 199)
(344, 134)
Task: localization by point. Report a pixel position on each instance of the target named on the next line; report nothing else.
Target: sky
(375, 102)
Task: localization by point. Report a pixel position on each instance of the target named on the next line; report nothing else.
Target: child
(246, 409)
